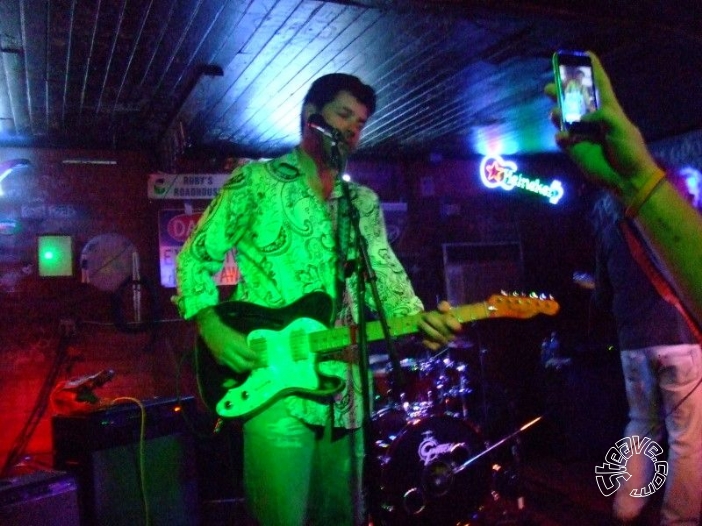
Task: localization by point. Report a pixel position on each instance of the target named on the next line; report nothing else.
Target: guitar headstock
(521, 306)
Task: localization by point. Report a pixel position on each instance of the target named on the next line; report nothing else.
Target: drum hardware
(413, 502)
(460, 343)
(437, 478)
(432, 386)
(497, 444)
(434, 459)
(375, 359)
(483, 384)
(444, 385)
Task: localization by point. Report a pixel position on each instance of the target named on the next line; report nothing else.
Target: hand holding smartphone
(577, 96)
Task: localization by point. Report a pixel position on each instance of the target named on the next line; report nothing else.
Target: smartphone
(577, 96)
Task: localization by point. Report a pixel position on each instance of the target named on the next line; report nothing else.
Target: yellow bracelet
(643, 194)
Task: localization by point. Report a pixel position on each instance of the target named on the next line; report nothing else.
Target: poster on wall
(174, 227)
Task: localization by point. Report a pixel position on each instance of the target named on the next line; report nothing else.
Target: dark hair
(606, 211)
(326, 88)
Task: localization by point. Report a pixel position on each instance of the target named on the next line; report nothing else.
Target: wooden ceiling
(454, 78)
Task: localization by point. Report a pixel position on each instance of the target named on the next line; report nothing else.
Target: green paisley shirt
(286, 242)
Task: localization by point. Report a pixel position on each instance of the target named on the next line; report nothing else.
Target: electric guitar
(290, 339)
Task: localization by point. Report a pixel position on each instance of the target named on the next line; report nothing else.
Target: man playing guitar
(303, 450)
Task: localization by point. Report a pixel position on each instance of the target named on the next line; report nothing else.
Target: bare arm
(620, 161)
(673, 229)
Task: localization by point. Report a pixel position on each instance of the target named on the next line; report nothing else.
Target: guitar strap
(643, 257)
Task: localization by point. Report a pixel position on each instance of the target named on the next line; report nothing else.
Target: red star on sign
(495, 171)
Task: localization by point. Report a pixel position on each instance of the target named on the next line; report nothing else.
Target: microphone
(319, 124)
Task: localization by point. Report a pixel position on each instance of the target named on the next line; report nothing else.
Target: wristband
(643, 194)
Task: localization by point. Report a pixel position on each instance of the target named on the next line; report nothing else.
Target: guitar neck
(339, 337)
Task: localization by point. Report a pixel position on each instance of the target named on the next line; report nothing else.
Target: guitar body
(281, 338)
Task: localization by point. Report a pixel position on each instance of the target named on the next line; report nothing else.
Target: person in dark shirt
(662, 367)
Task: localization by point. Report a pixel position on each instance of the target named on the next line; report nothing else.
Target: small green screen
(55, 255)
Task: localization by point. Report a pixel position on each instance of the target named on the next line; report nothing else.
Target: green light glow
(55, 255)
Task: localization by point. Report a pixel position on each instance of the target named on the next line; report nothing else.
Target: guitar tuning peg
(533, 295)
(504, 292)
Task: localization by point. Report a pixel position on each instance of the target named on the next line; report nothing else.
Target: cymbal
(378, 358)
(461, 343)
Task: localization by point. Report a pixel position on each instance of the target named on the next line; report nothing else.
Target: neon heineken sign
(495, 172)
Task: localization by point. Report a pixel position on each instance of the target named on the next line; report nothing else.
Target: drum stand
(483, 383)
(516, 457)
(513, 476)
(494, 446)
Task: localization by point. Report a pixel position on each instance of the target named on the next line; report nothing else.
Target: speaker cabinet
(117, 484)
(475, 271)
(39, 499)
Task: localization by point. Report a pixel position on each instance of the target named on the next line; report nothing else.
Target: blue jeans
(657, 379)
(296, 474)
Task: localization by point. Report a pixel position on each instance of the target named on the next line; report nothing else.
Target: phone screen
(576, 89)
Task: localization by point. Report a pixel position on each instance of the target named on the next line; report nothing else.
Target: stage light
(4, 174)
(7, 167)
(55, 255)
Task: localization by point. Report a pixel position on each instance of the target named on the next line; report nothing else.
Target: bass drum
(414, 475)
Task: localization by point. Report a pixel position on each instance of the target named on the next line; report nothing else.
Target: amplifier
(121, 424)
(116, 485)
(42, 498)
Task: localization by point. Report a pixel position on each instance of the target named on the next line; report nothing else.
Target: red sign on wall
(174, 227)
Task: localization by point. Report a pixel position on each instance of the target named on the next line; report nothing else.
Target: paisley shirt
(288, 245)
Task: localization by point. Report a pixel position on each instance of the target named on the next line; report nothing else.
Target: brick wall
(61, 321)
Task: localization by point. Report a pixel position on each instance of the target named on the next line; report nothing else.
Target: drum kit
(432, 463)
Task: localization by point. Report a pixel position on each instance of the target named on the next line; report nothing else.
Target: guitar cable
(141, 457)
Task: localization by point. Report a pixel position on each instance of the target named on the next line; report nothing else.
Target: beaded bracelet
(643, 194)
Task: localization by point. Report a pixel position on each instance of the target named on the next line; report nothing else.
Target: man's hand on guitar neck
(228, 347)
(439, 327)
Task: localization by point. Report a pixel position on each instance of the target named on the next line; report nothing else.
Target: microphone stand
(365, 274)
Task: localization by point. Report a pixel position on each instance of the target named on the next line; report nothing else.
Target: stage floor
(563, 492)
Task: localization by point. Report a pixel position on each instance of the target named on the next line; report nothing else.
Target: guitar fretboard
(340, 337)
